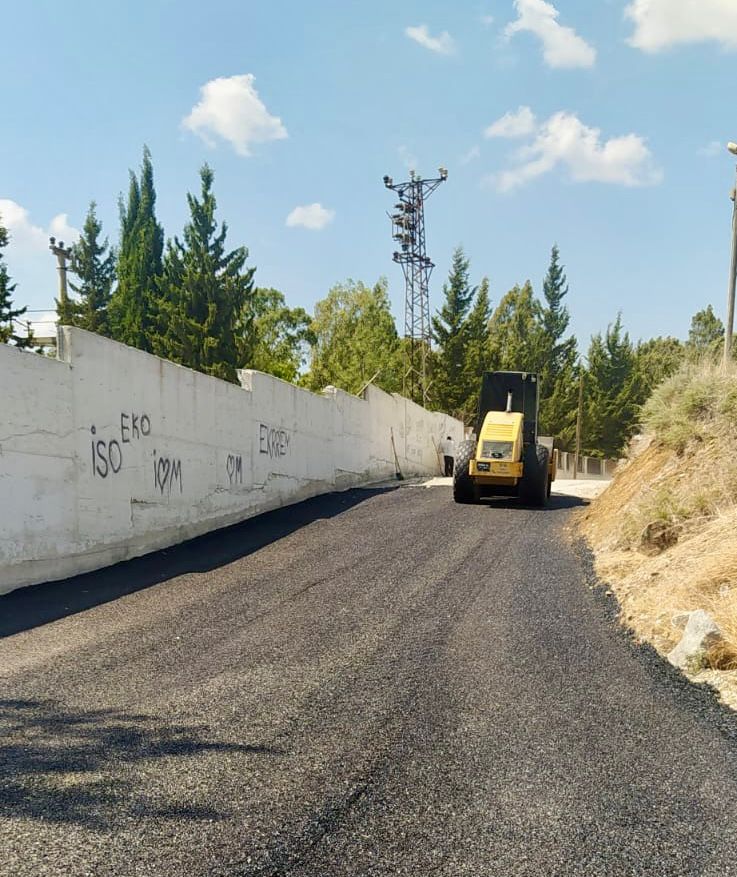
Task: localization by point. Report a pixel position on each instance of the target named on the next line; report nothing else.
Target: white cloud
(443, 44)
(660, 24)
(25, 237)
(312, 216)
(564, 140)
(230, 108)
(473, 153)
(487, 20)
(712, 149)
(30, 264)
(409, 159)
(562, 47)
(513, 124)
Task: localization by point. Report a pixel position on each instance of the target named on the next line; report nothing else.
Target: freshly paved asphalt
(378, 682)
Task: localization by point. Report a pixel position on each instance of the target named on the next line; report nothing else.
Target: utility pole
(729, 328)
(408, 229)
(61, 257)
(579, 421)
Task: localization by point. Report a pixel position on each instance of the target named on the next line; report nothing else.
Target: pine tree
(8, 314)
(448, 361)
(355, 340)
(558, 386)
(203, 292)
(611, 394)
(94, 265)
(134, 303)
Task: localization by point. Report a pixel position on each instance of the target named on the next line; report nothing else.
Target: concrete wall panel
(108, 452)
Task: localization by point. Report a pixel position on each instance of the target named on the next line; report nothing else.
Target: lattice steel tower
(408, 230)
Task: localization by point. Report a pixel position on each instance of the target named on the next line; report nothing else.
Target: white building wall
(108, 452)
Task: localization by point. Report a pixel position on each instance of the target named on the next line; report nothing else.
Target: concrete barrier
(589, 468)
(107, 453)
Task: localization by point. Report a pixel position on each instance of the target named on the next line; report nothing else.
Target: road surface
(373, 683)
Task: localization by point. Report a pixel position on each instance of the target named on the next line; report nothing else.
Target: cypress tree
(134, 303)
(558, 386)
(203, 292)
(8, 314)
(611, 395)
(448, 360)
(476, 352)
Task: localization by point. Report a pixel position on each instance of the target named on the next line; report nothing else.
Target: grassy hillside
(665, 532)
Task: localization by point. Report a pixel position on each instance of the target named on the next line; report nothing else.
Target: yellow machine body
(498, 458)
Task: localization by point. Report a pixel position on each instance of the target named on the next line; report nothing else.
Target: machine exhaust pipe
(509, 402)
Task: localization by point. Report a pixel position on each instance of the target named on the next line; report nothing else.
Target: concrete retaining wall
(108, 453)
(590, 468)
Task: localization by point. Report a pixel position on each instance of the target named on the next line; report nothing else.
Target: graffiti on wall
(107, 453)
(273, 441)
(234, 468)
(167, 474)
(107, 456)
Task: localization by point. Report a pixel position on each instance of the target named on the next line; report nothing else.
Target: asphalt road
(377, 682)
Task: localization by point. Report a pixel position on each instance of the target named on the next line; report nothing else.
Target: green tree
(657, 359)
(274, 338)
(94, 264)
(516, 332)
(204, 290)
(476, 352)
(611, 393)
(558, 370)
(706, 335)
(8, 314)
(355, 340)
(134, 303)
(448, 361)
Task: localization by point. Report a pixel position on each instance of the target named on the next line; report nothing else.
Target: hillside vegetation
(665, 532)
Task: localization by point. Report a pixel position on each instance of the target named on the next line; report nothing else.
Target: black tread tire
(533, 488)
(464, 489)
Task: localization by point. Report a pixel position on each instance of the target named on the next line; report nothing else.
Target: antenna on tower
(408, 231)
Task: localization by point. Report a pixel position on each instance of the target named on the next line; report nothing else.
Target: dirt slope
(664, 536)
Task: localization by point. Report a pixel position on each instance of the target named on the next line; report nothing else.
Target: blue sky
(597, 125)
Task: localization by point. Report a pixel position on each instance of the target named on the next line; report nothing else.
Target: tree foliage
(134, 306)
(516, 332)
(558, 371)
(9, 314)
(611, 393)
(657, 359)
(448, 368)
(93, 262)
(202, 292)
(355, 340)
(706, 335)
(274, 338)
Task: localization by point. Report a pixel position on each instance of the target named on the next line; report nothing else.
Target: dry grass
(665, 532)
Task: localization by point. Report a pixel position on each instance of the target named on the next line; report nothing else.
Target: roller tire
(533, 489)
(464, 489)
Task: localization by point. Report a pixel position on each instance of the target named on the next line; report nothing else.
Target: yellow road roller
(506, 456)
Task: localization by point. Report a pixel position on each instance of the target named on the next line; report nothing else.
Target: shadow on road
(556, 503)
(63, 765)
(30, 607)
